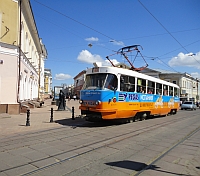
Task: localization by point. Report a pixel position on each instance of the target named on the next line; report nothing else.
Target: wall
(8, 80)
(9, 22)
(8, 72)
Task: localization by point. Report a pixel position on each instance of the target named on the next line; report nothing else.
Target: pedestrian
(74, 97)
(61, 105)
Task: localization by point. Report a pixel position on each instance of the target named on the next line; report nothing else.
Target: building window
(174, 82)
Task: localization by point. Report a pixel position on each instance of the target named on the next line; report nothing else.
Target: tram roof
(118, 70)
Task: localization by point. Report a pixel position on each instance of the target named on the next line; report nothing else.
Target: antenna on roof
(107, 57)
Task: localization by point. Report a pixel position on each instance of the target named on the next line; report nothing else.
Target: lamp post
(197, 96)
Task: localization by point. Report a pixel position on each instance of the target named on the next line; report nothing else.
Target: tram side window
(176, 91)
(123, 79)
(127, 83)
(151, 87)
(141, 85)
(170, 91)
(165, 90)
(158, 88)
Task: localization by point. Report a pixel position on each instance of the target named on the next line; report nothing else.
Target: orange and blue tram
(117, 93)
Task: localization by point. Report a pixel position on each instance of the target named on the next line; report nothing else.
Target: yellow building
(47, 82)
(22, 51)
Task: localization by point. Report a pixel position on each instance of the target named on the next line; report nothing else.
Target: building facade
(22, 56)
(189, 86)
(78, 83)
(47, 81)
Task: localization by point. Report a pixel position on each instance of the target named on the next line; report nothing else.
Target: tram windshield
(100, 81)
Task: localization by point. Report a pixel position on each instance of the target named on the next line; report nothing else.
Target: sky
(78, 33)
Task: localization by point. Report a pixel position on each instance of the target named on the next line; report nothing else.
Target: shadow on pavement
(80, 122)
(138, 166)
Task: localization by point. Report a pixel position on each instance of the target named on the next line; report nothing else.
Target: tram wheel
(132, 119)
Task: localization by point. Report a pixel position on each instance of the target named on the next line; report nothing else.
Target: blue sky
(167, 30)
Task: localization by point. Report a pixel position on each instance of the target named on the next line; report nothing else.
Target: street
(159, 146)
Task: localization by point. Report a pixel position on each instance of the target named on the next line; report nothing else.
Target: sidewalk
(39, 118)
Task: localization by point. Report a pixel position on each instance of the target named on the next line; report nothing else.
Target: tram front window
(111, 82)
(100, 81)
(94, 81)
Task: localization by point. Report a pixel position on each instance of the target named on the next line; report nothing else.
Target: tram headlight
(98, 102)
(81, 101)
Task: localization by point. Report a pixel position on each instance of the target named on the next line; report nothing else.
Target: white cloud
(195, 75)
(86, 56)
(92, 39)
(62, 76)
(189, 60)
(107, 62)
(119, 43)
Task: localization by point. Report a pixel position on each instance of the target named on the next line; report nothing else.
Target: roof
(166, 71)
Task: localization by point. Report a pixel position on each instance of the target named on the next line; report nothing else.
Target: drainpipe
(39, 72)
(19, 69)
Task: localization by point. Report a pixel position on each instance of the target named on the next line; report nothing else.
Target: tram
(117, 93)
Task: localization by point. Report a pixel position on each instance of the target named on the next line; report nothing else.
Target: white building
(189, 86)
(22, 56)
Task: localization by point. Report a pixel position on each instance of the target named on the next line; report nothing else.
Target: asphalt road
(159, 146)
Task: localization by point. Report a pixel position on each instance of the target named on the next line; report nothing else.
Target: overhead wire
(74, 20)
(108, 36)
(122, 39)
(154, 35)
(166, 29)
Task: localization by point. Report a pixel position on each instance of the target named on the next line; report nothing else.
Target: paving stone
(3, 174)
(64, 167)
(4, 155)
(40, 146)
(139, 158)
(155, 172)
(19, 170)
(93, 155)
(20, 151)
(111, 172)
(119, 145)
(35, 155)
(170, 167)
(86, 170)
(51, 151)
(170, 159)
(65, 155)
(181, 155)
(15, 161)
(3, 166)
(44, 162)
(136, 147)
(149, 153)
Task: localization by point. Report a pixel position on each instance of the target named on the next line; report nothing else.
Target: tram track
(102, 143)
(164, 153)
(7, 141)
(107, 142)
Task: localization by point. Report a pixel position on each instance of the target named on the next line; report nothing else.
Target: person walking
(61, 105)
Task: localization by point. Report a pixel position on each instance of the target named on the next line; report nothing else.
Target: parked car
(188, 105)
